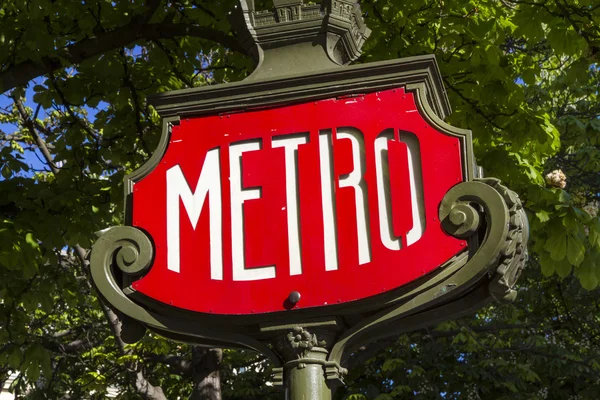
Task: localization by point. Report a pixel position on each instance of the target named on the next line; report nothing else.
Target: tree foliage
(522, 75)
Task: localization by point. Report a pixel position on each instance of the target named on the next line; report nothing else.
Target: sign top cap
(294, 37)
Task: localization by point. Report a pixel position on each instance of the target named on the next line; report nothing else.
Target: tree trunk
(205, 372)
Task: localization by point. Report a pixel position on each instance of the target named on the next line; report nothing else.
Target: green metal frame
(310, 346)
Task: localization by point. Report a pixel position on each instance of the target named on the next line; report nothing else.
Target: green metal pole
(305, 378)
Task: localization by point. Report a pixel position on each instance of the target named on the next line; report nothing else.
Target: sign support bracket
(306, 373)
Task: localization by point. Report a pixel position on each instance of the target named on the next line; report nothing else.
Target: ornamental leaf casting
(300, 338)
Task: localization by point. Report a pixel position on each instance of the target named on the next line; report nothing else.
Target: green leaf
(33, 372)
(459, 338)
(556, 245)
(542, 216)
(44, 98)
(587, 274)
(399, 390)
(31, 241)
(392, 364)
(6, 172)
(357, 396)
(575, 250)
(492, 54)
(14, 357)
(476, 57)
(594, 232)
(46, 364)
(563, 268)
(510, 386)
(547, 264)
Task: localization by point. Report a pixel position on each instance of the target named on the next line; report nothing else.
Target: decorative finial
(297, 38)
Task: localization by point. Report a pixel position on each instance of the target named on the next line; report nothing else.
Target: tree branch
(169, 56)
(21, 73)
(136, 103)
(76, 346)
(28, 122)
(182, 365)
(205, 373)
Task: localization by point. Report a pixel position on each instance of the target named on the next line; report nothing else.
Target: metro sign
(336, 199)
(310, 209)
(304, 216)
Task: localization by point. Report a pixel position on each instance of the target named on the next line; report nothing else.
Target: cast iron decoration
(311, 207)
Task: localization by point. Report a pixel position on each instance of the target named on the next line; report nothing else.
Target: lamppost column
(305, 378)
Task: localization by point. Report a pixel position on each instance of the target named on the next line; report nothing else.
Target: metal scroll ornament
(300, 86)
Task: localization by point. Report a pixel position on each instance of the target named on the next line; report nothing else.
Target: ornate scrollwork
(129, 248)
(514, 254)
(460, 219)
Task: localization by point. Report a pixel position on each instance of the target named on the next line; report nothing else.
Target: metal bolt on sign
(294, 213)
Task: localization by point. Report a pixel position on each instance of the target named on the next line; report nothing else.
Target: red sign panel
(336, 199)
